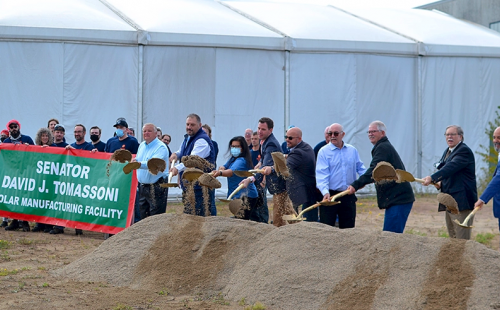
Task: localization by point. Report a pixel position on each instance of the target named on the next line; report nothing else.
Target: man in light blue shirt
(152, 197)
(336, 168)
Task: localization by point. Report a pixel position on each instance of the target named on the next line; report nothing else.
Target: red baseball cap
(13, 121)
(5, 132)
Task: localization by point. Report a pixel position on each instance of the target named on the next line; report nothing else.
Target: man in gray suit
(301, 162)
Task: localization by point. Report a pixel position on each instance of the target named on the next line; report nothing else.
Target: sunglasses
(289, 138)
(335, 133)
(12, 126)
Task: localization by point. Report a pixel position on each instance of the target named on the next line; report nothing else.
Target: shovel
(332, 201)
(405, 176)
(131, 166)
(249, 173)
(280, 164)
(170, 184)
(384, 171)
(464, 224)
(232, 194)
(298, 218)
(448, 201)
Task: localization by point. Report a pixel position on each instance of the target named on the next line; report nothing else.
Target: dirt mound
(301, 266)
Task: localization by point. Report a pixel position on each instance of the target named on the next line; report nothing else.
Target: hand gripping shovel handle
(466, 221)
(341, 194)
(235, 191)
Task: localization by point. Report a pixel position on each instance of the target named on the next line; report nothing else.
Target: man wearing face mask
(122, 140)
(95, 136)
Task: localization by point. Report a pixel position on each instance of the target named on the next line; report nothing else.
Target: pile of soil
(301, 266)
(156, 165)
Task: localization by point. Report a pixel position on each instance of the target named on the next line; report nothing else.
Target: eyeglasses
(450, 134)
(289, 138)
(372, 131)
(335, 133)
(12, 126)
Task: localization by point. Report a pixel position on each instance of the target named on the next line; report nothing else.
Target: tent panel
(100, 85)
(31, 79)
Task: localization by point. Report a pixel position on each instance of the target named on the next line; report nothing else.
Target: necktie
(447, 154)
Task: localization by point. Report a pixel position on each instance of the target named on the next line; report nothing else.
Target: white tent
(91, 61)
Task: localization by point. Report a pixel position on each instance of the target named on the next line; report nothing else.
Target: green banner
(71, 188)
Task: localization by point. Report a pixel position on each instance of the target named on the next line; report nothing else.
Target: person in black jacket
(396, 198)
(301, 186)
(457, 174)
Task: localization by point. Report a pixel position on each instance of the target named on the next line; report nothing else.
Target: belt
(160, 181)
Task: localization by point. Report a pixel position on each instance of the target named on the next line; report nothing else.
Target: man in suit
(395, 198)
(493, 189)
(274, 183)
(337, 166)
(301, 186)
(457, 174)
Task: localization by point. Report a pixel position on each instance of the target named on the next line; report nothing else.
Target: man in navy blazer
(493, 189)
(457, 174)
(301, 162)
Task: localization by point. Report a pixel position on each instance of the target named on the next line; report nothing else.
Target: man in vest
(196, 142)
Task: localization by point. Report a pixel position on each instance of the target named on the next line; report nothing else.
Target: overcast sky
(408, 4)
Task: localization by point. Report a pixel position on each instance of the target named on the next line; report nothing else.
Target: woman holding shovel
(240, 160)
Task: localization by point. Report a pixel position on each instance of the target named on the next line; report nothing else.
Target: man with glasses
(80, 143)
(301, 185)
(457, 174)
(396, 198)
(16, 137)
(337, 166)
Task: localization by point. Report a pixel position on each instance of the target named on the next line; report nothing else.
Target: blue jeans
(396, 216)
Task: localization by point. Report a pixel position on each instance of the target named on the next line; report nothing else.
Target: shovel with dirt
(280, 164)
(449, 202)
(331, 202)
(232, 194)
(466, 221)
(249, 173)
(170, 184)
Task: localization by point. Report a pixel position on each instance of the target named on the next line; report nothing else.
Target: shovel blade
(461, 224)
(224, 200)
(169, 185)
(242, 173)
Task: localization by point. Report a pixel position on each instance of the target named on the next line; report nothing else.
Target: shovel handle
(170, 175)
(256, 170)
(308, 209)
(470, 215)
(341, 194)
(235, 191)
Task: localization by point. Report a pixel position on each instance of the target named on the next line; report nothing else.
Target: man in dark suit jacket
(457, 174)
(493, 189)
(275, 183)
(301, 162)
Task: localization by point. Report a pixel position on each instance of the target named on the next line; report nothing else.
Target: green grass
(485, 238)
(122, 307)
(256, 306)
(443, 233)
(4, 244)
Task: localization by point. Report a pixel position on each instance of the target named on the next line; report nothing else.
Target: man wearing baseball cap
(122, 139)
(4, 135)
(14, 128)
(16, 137)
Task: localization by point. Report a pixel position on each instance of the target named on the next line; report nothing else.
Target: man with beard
(457, 175)
(59, 132)
(80, 143)
(95, 136)
(16, 137)
(493, 189)
(196, 142)
(122, 140)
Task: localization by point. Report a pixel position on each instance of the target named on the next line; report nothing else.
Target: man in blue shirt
(336, 168)
(80, 143)
(59, 132)
(122, 140)
(95, 137)
(152, 197)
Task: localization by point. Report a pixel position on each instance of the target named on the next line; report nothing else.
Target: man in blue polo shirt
(122, 140)
(80, 143)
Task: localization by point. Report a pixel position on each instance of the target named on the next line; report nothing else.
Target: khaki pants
(455, 230)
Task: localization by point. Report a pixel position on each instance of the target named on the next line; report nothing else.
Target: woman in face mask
(240, 159)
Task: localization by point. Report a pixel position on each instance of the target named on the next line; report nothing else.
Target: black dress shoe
(47, 228)
(13, 225)
(78, 232)
(4, 224)
(56, 231)
(26, 226)
(37, 228)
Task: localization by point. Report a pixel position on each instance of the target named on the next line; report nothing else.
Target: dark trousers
(346, 211)
(152, 199)
(199, 208)
(262, 212)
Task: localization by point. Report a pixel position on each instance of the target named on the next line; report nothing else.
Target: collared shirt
(155, 149)
(292, 148)
(453, 148)
(200, 148)
(336, 168)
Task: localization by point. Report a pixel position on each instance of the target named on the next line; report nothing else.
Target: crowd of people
(316, 173)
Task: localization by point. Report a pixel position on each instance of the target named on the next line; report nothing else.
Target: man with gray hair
(396, 198)
(457, 177)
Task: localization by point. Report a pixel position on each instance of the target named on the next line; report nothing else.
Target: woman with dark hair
(240, 159)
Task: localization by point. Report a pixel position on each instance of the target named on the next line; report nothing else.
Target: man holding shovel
(457, 174)
(396, 198)
(337, 165)
(493, 189)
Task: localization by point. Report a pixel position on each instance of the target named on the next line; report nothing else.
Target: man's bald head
(496, 139)
(293, 137)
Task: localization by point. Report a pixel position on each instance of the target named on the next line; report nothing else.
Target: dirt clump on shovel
(121, 156)
(449, 202)
(156, 165)
(384, 172)
(194, 161)
(280, 164)
(209, 181)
